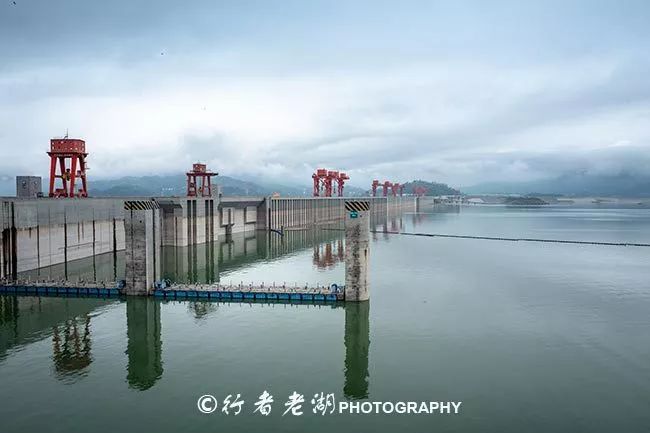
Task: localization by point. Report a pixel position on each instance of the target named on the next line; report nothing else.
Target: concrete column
(357, 230)
(143, 253)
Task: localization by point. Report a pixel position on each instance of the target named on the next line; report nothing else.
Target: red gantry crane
(332, 176)
(199, 173)
(328, 181)
(319, 181)
(62, 151)
(375, 184)
(341, 183)
(395, 188)
(384, 188)
(419, 191)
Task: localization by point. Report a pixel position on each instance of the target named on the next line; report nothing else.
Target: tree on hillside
(432, 188)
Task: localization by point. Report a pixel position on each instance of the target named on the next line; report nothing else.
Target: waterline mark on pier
(325, 404)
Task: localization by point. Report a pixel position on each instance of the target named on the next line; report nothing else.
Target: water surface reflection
(357, 347)
(144, 345)
(71, 346)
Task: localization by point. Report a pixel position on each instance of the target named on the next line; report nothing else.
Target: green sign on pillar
(354, 214)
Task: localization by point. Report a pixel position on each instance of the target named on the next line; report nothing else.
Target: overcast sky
(459, 92)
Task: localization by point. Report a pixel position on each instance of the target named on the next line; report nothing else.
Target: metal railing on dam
(238, 292)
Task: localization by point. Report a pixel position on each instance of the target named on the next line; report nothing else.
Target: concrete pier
(357, 234)
(143, 246)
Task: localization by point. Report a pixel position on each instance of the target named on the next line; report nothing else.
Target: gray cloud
(461, 92)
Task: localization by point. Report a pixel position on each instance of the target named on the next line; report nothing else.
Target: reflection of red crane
(324, 256)
(71, 346)
(326, 181)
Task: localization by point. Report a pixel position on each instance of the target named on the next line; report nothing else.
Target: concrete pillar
(143, 253)
(357, 229)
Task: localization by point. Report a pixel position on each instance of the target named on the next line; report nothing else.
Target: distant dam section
(41, 232)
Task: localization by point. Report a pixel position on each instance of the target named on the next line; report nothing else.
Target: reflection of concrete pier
(144, 345)
(357, 346)
(25, 320)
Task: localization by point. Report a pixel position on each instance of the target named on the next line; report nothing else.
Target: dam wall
(44, 232)
(289, 212)
(188, 220)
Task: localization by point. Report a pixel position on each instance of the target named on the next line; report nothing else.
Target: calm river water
(529, 336)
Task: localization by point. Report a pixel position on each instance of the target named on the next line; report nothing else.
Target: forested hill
(432, 188)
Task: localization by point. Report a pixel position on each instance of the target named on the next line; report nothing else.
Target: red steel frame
(325, 182)
(332, 176)
(341, 183)
(375, 184)
(62, 150)
(199, 172)
(385, 187)
(419, 191)
(319, 180)
(395, 188)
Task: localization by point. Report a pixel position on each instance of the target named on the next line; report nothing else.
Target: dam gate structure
(38, 233)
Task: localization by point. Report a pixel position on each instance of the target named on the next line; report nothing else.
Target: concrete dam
(44, 232)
